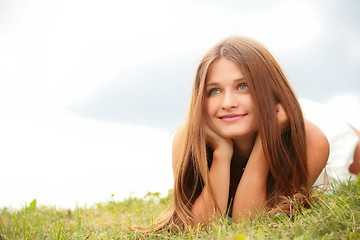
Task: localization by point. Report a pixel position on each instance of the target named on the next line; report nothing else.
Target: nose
(229, 101)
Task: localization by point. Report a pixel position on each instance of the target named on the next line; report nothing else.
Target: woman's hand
(218, 143)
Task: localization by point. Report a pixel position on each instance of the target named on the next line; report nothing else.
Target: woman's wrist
(257, 158)
(224, 153)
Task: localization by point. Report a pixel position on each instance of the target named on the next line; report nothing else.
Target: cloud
(155, 94)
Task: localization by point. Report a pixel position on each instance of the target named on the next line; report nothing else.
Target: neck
(244, 145)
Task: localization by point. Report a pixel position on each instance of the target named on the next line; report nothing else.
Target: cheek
(209, 113)
(210, 107)
(207, 109)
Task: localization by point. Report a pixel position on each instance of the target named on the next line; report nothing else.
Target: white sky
(55, 54)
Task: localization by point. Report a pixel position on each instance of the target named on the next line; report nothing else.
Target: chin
(236, 135)
(229, 135)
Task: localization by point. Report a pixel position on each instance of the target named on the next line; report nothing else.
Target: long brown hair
(285, 150)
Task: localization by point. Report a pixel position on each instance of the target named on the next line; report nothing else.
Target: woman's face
(228, 104)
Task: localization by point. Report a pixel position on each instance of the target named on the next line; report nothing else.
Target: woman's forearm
(219, 177)
(251, 191)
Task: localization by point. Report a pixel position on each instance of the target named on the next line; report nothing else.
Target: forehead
(223, 69)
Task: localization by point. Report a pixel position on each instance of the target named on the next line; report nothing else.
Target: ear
(282, 116)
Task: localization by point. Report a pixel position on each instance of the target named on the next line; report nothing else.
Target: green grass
(336, 215)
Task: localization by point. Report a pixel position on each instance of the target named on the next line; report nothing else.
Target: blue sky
(92, 91)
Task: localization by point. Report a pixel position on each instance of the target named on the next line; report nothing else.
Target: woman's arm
(219, 177)
(247, 199)
(176, 146)
(317, 151)
(354, 168)
(251, 191)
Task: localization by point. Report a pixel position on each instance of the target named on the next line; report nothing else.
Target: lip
(231, 117)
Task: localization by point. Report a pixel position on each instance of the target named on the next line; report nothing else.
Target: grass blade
(59, 231)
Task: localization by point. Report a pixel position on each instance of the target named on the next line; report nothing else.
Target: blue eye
(243, 87)
(214, 91)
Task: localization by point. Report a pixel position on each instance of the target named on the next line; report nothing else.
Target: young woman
(245, 145)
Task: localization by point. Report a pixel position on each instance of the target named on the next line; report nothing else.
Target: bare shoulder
(318, 150)
(315, 137)
(176, 146)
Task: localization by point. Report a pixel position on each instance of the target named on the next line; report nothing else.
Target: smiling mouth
(231, 116)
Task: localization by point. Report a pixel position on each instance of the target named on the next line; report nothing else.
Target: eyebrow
(215, 83)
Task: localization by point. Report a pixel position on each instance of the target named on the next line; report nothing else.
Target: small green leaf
(260, 234)
(32, 206)
(240, 236)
